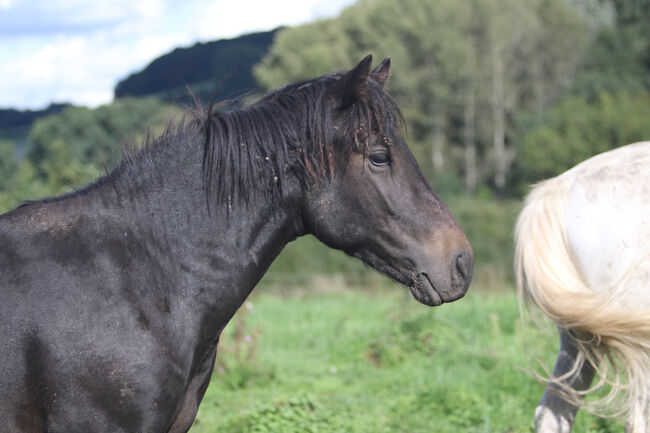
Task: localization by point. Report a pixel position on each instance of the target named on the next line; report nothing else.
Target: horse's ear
(353, 82)
(382, 72)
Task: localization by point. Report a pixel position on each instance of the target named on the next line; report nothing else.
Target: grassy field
(360, 360)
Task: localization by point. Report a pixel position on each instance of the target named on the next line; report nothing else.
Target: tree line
(74, 147)
(496, 94)
(226, 64)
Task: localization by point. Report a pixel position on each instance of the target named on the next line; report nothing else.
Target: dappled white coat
(583, 257)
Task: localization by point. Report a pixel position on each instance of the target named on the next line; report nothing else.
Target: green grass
(376, 361)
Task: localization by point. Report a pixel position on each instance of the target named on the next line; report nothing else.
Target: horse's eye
(380, 158)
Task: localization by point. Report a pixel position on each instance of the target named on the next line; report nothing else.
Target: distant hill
(15, 124)
(10, 118)
(225, 64)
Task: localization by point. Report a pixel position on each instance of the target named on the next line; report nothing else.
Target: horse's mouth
(424, 291)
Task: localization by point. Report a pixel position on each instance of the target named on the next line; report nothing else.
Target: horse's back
(608, 220)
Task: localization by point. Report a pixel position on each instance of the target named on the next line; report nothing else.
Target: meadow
(324, 344)
(340, 358)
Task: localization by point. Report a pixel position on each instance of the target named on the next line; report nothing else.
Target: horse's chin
(425, 292)
(422, 289)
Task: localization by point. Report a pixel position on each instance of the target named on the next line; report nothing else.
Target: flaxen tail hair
(614, 339)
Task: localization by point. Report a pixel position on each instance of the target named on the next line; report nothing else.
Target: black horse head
(340, 137)
(377, 205)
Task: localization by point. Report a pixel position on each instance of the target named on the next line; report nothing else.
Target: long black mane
(251, 151)
(291, 131)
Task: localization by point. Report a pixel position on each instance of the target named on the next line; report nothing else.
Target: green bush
(300, 414)
(577, 129)
(92, 136)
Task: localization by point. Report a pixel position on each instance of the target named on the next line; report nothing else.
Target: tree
(90, 137)
(8, 164)
(17, 180)
(577, 129)
(464, 70)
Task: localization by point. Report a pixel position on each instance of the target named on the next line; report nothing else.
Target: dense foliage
(75, 146)
(576, 129)
(470, 73)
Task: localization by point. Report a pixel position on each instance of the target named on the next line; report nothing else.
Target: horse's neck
(216, 257)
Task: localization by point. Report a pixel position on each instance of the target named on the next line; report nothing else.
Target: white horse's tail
(613, 338)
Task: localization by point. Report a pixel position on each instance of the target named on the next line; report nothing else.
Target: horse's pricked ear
(354, 81)
(382, 72)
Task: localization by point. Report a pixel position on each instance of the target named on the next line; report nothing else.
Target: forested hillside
(496, 93)
(225, 64)
(73, 147)
(10, 118)
(15, 124)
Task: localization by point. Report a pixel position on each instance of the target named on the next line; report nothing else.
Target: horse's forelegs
(554, 414)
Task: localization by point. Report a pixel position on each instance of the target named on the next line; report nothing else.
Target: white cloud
(6, 4)
(226, 18)
(79, 69)
(76, 51)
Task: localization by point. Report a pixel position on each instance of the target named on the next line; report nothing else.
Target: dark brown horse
(114, 296)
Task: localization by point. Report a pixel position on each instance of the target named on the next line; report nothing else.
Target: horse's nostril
(464, 266)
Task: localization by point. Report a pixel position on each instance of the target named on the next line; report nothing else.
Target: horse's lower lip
(425, 292)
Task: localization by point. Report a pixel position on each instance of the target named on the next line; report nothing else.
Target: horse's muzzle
(425, 292)
(436, 288)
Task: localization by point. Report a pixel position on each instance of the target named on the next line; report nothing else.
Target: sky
(77, 50)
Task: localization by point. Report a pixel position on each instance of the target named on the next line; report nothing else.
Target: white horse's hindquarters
(608, 222)
(583, 257)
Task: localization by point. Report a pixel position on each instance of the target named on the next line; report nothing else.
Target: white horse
(583, 257)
